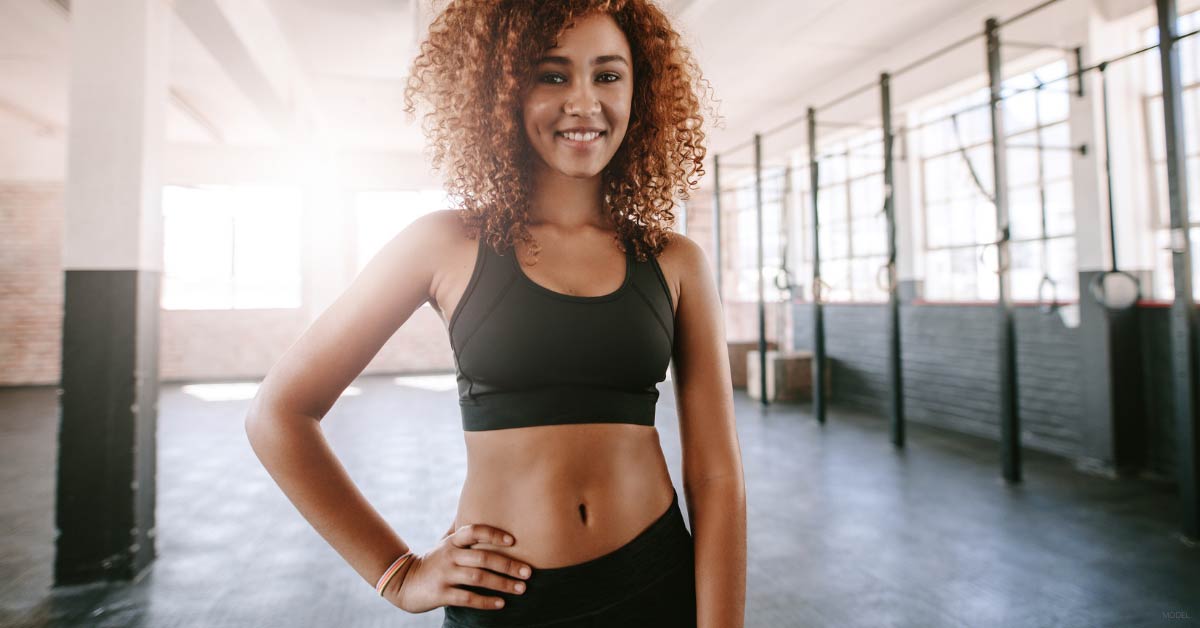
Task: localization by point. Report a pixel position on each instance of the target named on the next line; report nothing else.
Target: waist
(567, 493)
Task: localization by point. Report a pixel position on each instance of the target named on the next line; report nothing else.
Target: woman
(567, 128)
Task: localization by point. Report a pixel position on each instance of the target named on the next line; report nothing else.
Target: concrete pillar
(112, 259)
(1113, 436)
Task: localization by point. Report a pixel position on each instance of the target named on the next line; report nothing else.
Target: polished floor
(844, 531)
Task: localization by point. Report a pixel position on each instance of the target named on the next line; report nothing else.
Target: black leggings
(649, 581)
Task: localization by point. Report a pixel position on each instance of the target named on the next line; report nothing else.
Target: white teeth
(582, 137)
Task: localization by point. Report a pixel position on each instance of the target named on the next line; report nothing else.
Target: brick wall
(950, 368)
(31, 282)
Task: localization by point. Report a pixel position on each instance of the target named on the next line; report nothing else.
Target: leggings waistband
(663, 548)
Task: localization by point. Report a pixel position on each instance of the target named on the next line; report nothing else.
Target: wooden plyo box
(737, 359)
(789, 375)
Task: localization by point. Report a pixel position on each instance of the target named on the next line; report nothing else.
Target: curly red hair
(474, 65)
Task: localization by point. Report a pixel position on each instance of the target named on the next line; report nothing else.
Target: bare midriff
(567, 493)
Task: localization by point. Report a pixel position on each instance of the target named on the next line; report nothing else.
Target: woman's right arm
(283, 423)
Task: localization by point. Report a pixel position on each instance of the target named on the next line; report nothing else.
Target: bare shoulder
(683, 263)
(451, 249)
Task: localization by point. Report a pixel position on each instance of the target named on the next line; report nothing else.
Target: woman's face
(576, 111)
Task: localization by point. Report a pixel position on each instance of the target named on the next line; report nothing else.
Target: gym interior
(965, 370)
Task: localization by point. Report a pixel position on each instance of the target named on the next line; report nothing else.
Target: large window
(231, 247)
(381, 214)
(1189, 57)
(956, 182)
(745, 250)
(853, 225)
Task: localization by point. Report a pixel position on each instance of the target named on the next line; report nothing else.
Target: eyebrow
(597, 61)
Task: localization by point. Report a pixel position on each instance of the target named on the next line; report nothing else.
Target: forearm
(717, 510)
(297, 455)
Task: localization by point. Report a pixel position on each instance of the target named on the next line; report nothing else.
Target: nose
(581, 101)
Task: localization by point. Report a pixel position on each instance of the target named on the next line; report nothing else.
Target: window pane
(1195, 235)
(1155, 117)
(987, 287)
(1193, 188)
(832, 169)
(937, 276)
(1057, 163)
(1022, 162)
(963, 273)
(1160, 199)
(867, 238)
(1025, 212)
(866, 278)
(985, 222)
(836, 273)
(1026, 270)
(1060, 209)
(831, 205)
(1164, 286)
(231, 247)
(1060, 256)
(1019, 112)
(1055, 101)
(938, 186)
(937, 225)
(962, 223)
(1191, 121)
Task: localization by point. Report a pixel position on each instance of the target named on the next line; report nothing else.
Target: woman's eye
(555, 78)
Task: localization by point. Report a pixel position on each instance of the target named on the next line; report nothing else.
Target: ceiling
(343, 62)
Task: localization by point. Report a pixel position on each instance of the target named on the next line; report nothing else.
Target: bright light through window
(231, 247)
(382, 214)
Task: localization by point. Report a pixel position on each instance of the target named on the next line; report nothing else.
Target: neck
(566, 202)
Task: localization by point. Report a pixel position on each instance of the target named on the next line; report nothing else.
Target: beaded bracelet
(391, 571)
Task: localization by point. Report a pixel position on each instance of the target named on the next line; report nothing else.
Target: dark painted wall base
(108, 415)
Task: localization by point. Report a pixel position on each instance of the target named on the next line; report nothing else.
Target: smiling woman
(569, 130)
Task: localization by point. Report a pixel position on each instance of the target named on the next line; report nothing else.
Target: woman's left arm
(712, 465)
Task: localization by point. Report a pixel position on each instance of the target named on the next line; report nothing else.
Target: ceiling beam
(246, 40)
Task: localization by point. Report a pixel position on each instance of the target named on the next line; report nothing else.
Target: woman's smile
(580, 141)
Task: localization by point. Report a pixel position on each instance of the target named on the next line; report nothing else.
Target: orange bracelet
(391, 571)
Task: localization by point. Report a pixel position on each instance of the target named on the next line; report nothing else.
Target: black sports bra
(526, 355)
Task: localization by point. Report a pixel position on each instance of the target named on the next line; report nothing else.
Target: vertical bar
(1183, 312)
(717, 223)
(895, 368)
(1079, 68)
(818, 366)
(762, 305)
(1010, 432)
(1112, 210)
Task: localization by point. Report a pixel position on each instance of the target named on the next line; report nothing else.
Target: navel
(583, 513)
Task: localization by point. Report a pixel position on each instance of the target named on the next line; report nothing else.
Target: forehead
(596, 33)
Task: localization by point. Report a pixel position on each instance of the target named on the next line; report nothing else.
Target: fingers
(473, 533)
(485, 579)
(482, 568)
(463, 597)
(499, 563)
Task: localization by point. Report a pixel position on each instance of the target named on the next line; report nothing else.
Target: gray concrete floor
(844, 531)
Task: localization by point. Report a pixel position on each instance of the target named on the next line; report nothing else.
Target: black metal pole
(1108, 179)
(818, 364)
(717, 223)
(1079, 68)
(762, 304)
(895, 366)
(1010, 423)
(1183, 312)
